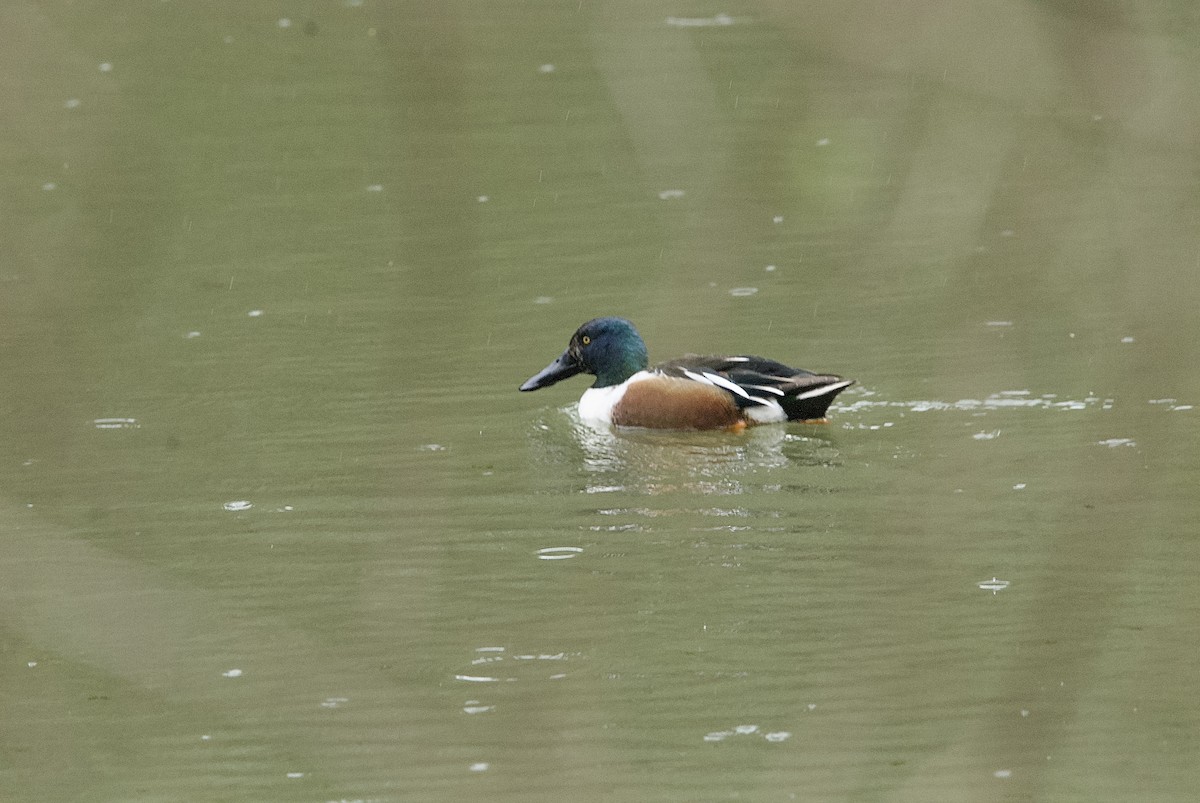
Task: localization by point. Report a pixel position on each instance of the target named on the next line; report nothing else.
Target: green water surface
(275, 523)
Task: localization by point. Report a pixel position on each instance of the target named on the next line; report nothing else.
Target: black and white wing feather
(757, 381)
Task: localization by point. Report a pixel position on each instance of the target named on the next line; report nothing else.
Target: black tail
(810, 401)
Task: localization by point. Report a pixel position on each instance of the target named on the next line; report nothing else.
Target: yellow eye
(586, 340)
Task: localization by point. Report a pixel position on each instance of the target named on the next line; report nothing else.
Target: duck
(690, 392)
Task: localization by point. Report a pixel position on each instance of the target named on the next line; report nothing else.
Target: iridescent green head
(610, 348)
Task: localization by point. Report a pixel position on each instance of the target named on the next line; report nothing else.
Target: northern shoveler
(692, 392)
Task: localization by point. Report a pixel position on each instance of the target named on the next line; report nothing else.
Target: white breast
(597, 404)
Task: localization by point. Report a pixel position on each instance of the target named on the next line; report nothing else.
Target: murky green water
(276, 525)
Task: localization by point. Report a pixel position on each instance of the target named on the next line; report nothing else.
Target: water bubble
(1115, 442)
(116, 423)
(240, 504)
(700, 22)
(747, 730)
(994, 585)
(512, 668)
(558, 552)
(475, 707)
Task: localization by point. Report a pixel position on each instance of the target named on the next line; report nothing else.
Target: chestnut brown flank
(670, 403)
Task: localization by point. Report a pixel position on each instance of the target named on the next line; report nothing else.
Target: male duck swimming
(692, 392)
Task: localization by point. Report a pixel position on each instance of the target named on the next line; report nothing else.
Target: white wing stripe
(722, 382)
(719, 381)
(821, 391)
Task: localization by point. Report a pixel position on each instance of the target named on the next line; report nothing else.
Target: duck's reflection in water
(712, 463)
